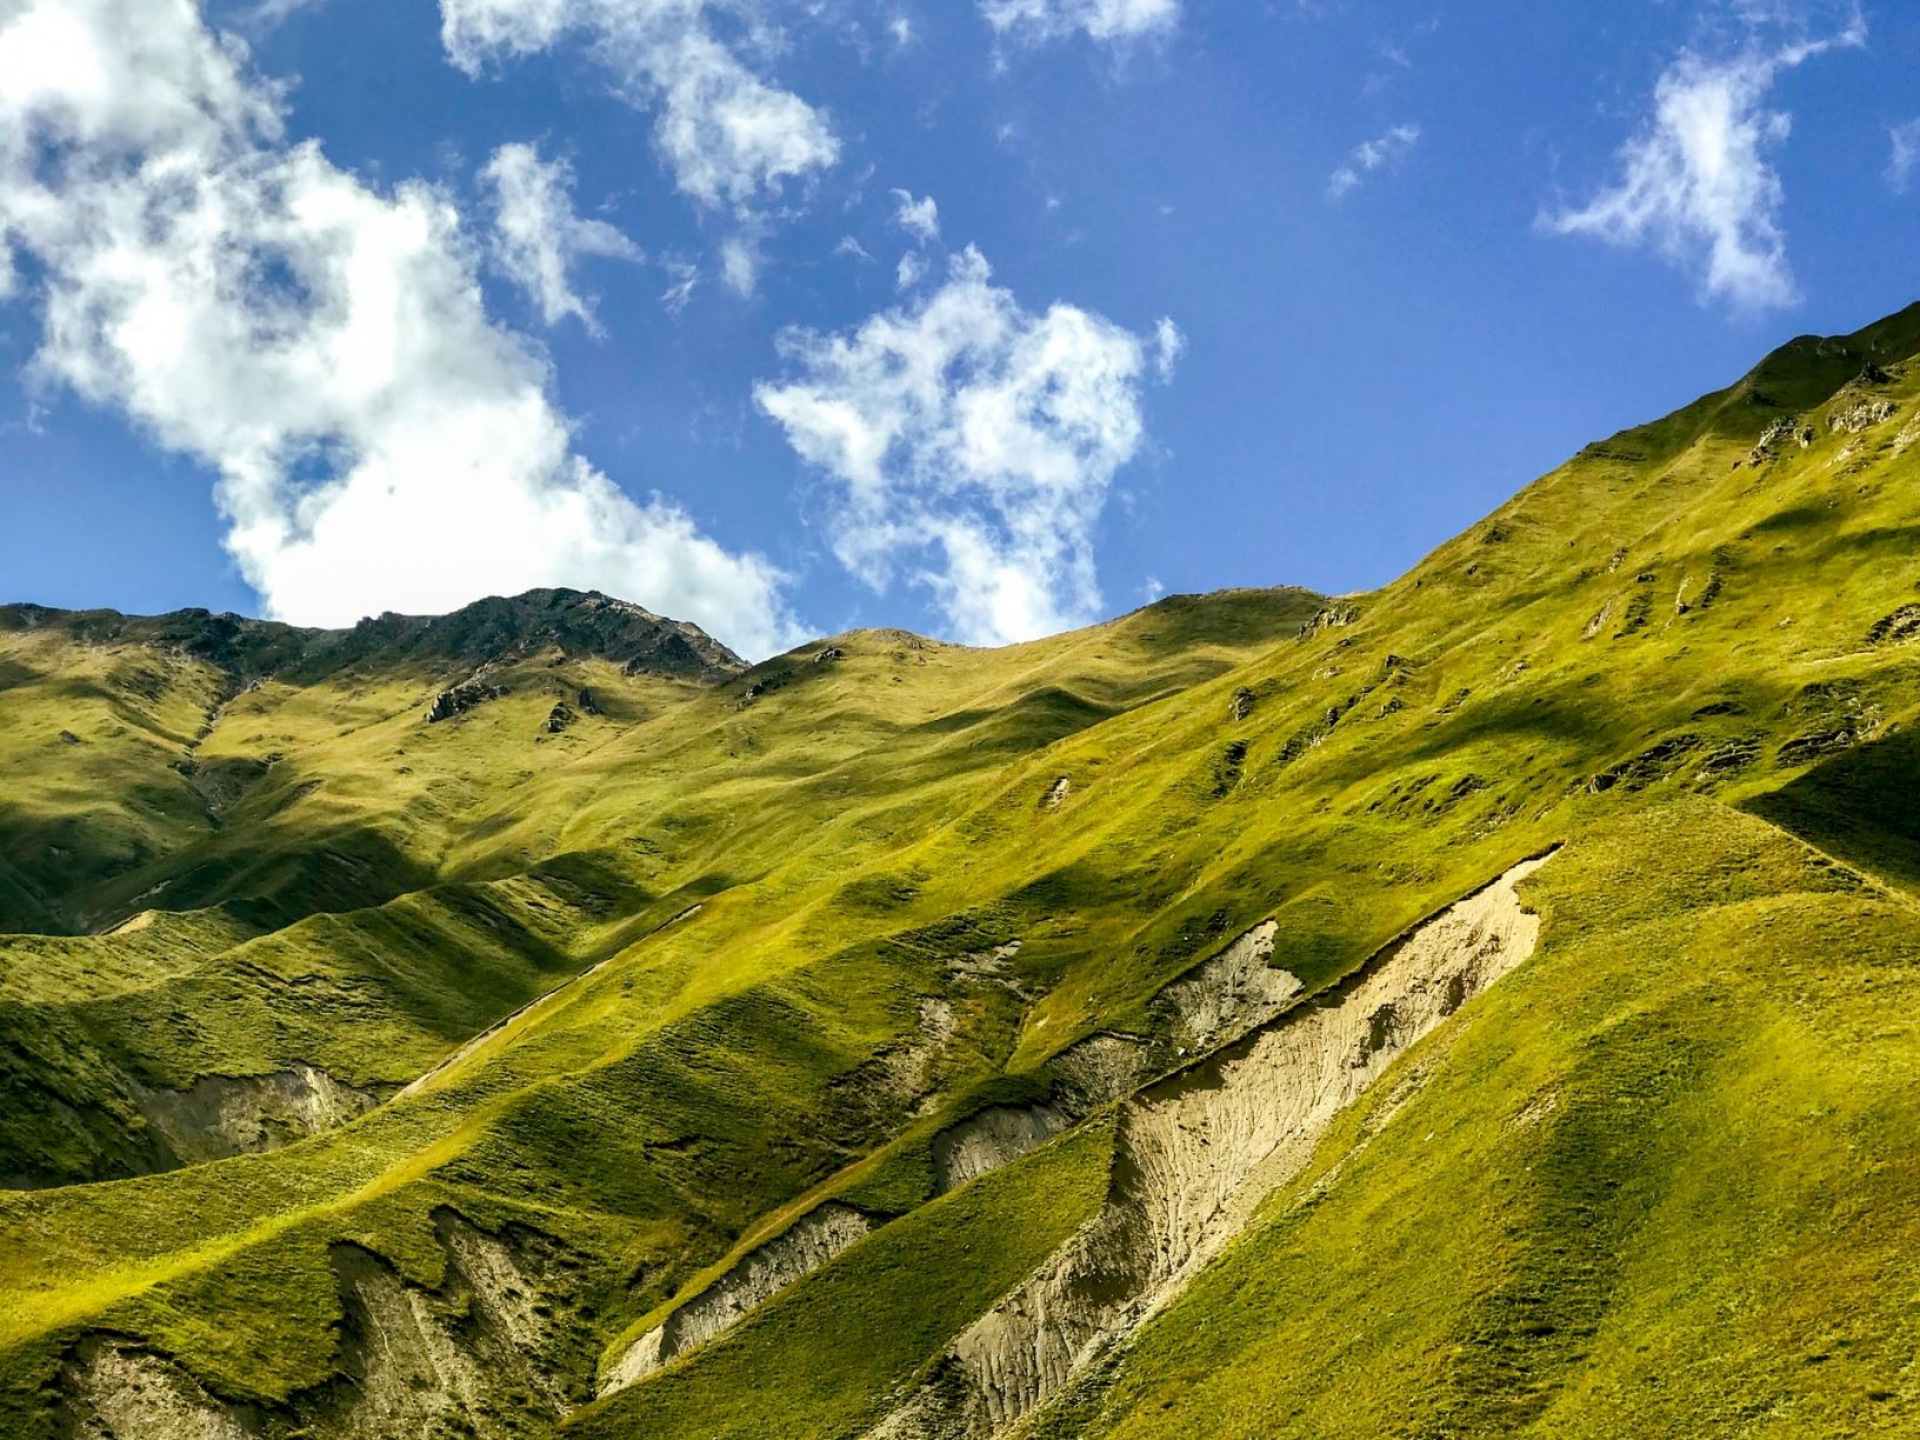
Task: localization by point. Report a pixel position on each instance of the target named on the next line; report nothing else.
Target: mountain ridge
(909, 1009)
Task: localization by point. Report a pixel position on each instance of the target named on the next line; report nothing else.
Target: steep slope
(903, 1087)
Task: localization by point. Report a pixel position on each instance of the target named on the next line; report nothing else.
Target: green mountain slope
(1477, 1007)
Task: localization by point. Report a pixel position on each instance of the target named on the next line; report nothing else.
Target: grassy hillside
(540, 1021)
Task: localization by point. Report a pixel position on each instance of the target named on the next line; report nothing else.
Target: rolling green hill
(1482, 1006)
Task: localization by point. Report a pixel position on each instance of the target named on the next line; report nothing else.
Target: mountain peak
(580, 624)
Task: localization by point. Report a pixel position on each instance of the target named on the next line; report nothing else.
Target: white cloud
(321, 344)
(729, 137)
(1905, 160)
(1036, 21)
(852, 248)
(1371, 155)
(911, 270)
(266, 15)
(537, 236)
(971, 444)
(1169, 345)
(1696, 183)
(919, 218)
(740, 262)
(682, 277)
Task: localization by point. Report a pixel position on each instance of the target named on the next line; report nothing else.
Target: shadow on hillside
(1862, 807)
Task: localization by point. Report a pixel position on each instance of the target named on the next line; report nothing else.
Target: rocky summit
(1483, 1006)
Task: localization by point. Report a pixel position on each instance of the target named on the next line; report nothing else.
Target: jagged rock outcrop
(461, 698)
(1329, 617)
(1862, 415)
(1774, 438)
(1903, 624)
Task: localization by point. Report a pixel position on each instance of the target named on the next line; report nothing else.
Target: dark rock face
(462, 698)
(1902, 624)
(562, 716)
(1243, 703)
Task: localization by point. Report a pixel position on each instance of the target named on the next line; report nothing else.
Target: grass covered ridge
(1660, 1181)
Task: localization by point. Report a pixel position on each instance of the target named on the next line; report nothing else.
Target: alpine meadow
(1487, 1005)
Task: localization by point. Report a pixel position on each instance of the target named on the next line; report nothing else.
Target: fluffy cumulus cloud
(1372, 155)
(1037, 21)
(322, 345)
(971, 445)
(1697, 183)
(729, 138)
(538, 239)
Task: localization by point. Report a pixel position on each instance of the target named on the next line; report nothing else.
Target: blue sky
(324, 308)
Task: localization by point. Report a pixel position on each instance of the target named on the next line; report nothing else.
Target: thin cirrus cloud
(1696, 183)
(730, 139)
(1039, 21)
(971, 444)
(379, 441)
(538, 239)
(1904, 163)
(919, 218)
(1371, 155)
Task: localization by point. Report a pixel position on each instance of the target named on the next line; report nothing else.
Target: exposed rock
(587, 704)
(1787, 427)
(1330, 617)
(119, 1391)
(1225, 997)
(992, 1139)
(1197, 1153)
(473, 1358)
(462, 698)
(1100, 1069)
(67, 737)
(561, 716)
(1902, 624)
(1725, 759)
(223, 1116)
(1602, 618)
(1242, 703)
(1646, 768)
(1835, 715)
(1805, 749)
(1057, 793)
(1862, 415)
(757, 1278)
(829, 655)
(990, 966)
